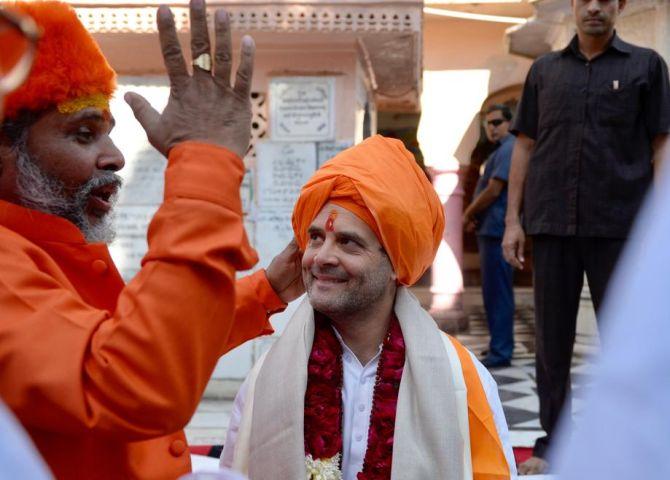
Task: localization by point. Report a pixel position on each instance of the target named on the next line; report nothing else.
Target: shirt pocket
(555, 106)
(618, 106)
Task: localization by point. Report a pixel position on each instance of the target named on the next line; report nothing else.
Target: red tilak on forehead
(330, 223)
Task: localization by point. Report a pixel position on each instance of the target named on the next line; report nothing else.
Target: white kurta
(358, 389)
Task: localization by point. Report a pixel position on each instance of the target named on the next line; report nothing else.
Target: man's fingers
(199, 33)
(143, 111)
(223, 56)
(246, 68)
(293, 246)
(511, 256)
(519, 251)
(172, 55)
(509, 253)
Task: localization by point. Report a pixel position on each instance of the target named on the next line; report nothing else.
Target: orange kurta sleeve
(255, 301)
(488, 456)
(138, 370)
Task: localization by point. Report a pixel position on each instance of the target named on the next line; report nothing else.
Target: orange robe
(103, 375)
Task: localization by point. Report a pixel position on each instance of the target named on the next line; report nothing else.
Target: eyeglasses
(496, 123)
(18, 40)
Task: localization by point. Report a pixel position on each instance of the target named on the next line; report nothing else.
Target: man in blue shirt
(486, 214)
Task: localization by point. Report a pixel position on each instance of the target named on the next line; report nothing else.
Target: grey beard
(365, 294)
(40, 191)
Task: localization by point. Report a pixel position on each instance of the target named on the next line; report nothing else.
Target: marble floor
(516, 384)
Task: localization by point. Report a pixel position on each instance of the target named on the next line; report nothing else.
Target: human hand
(467, 218)
(204, 106)
(285, 273)
(513, 242)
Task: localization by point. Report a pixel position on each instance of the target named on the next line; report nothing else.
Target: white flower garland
(326, 469)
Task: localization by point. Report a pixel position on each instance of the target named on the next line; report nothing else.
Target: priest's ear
(12, 132)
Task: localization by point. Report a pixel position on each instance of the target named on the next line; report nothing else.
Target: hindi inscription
(302, 108)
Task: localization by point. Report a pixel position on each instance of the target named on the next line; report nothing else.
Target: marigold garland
(323, 401)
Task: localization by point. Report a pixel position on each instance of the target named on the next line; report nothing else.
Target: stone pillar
(447, 276)
(448, 132)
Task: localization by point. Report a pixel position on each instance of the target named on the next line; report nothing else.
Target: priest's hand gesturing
(204, 106)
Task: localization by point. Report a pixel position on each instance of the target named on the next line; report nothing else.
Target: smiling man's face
(65, 166)
(345, 269)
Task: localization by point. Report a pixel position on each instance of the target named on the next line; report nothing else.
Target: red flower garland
(379, 454)
(323, 400)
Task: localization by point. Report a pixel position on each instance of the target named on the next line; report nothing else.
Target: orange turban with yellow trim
(69, 72)
(380, 182)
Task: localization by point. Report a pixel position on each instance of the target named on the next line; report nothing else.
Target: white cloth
(432, 388)
(204, 470)
(18, 457)
(624, 428)
(358, 388)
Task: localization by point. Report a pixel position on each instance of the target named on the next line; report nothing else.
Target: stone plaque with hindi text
(281, 170)
(302, 108)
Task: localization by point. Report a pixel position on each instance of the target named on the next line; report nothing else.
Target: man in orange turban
(362, 384)
(103, 375)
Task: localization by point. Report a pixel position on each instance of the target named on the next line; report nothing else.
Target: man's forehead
(335, 218)
(91, 113)
(55, 120)
(494, 114)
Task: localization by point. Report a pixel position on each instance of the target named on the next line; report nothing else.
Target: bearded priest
(362, 384)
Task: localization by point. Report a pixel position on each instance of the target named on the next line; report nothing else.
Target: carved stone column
(447, 276)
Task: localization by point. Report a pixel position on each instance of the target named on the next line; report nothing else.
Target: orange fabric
(104, 376)
(345, 195)
(68, 63)
(14, 46)
(488, 456)
(379, 181)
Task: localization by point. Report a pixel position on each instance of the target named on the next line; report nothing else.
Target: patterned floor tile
(516, 384)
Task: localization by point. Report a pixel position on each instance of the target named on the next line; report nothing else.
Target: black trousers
(559, 265)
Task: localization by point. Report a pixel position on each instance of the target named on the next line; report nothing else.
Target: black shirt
(593, 123)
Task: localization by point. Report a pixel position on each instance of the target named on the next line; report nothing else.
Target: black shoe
(493, 364)
(484, 353)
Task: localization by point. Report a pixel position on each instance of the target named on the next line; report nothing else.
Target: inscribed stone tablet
(273, 233)
(327, 150)
(281, 171)
(130, 245)
(143, 178)
(302, 108)
(246, 191)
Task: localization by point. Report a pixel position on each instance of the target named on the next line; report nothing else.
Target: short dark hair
(16, 129)
(499, 107)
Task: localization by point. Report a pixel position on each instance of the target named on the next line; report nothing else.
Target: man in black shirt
(591, 128)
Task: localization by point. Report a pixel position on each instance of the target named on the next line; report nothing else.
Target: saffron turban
(380, 182)
(69, 71)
